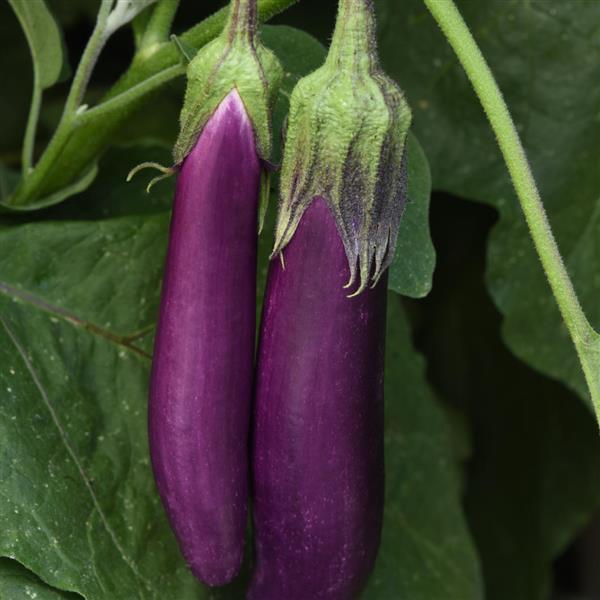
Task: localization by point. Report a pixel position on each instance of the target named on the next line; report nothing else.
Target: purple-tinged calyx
(234, 60)
(345, 142)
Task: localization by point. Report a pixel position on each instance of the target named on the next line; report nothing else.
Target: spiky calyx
(235, 59)
(345, 142)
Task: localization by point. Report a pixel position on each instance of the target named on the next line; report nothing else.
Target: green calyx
(234, 60)
(345, 142)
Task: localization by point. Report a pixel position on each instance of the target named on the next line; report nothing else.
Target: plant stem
(159, 25)
(88, 60)
(167, 54)
(241, 22)
(585, 339)
(32, 121)
(131, 95)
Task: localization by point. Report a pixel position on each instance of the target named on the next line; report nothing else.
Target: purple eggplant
(203, 364)
(202, 372)
(318, 433)
(318, 467)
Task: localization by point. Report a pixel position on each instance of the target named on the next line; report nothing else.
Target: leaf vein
(71, 318)
(70, 451)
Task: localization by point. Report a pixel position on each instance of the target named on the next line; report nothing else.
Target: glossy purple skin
(318, 425)
(202, 372)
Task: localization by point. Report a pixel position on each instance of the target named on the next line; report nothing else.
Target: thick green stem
(241, 23)
(167, 54)
(159, 26)
(353, 42)
(586, 340)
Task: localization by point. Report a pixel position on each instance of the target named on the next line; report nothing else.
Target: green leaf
(543, 54)
(411, 272)
(43, 37)
(79, 185)
(426, 551)
(17, 583)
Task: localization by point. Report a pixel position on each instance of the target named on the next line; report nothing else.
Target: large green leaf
(545, 56)
(426, 551)
(43, 37)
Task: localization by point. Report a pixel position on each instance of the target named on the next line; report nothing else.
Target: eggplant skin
(202, 370)
(318, 471)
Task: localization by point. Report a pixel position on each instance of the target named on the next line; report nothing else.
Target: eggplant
(317, 463)
(202, 370)
(203, 363)
(318, 421)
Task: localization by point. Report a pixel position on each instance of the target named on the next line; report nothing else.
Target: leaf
(426, 551)
(412, 270)
(43, 37)
(17, 583)
(123, 12)
(543, 54)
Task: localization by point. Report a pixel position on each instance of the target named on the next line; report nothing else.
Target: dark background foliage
(493, 485)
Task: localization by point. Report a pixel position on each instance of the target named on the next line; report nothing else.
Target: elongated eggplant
(318, 444)
(201, 384)
(318, 428)
(203, 364)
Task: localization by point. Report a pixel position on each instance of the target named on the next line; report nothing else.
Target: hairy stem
(167, 54)
(585, 339)
(88, 60)
(241, 22)
(159, 25)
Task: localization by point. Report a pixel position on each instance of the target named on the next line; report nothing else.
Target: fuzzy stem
(353, 43)
(159, 25)
(88, 61)
(585, 339)
(242, 21)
